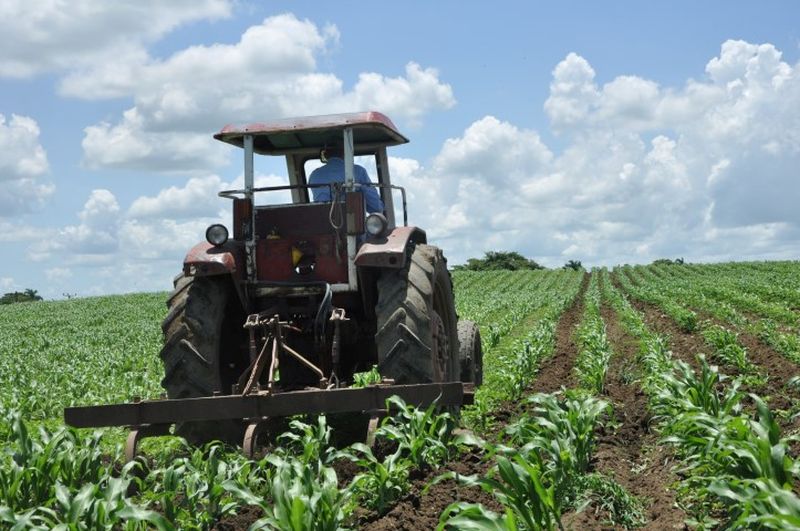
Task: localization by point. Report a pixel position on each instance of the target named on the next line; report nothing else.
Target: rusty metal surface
(389, 251)
(258, 406)
(314, 132)
(206, 259)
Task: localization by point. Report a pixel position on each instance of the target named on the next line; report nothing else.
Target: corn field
(643, 397)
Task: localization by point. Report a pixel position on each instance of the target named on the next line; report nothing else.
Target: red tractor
(306, 294)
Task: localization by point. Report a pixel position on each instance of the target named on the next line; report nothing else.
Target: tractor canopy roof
(312, 133)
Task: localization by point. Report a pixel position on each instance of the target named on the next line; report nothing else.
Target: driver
(333, 172)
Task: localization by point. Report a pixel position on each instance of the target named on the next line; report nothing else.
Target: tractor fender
(205, 260)
(389, 250)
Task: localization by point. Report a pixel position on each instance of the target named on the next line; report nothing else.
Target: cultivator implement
(256, 397)
(147, 418)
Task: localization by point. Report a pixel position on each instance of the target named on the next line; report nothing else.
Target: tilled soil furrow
(558, 370)
(631, 454)
(685, 346)
(417, 511)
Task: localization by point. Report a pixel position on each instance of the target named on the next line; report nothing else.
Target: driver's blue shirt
(333, 172)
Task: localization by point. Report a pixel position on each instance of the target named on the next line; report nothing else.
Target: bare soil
(418, 510)
(631, 453)
(558, 370)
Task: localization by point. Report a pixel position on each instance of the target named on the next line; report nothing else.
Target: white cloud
(197, 198)
(8, 284)
(58, 274)
(94, 238)
(90, 37)
(23, 162)
(706, 171)
(18, 232)
(270, 73)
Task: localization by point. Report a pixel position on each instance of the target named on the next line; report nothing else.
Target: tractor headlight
(376, 224)
(217, 234)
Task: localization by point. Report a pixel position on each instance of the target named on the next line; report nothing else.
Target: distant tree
(20, 296)
(575, 265)
(667, 261)
(32, 294)
(493, 260)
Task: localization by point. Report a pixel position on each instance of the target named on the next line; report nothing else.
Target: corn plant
(312, 442)
(476, 517)
(380, 483)
(562, 429)
(303, 497)
(685, 390)
(520, 483)
(92, 507)
(426, 438)
(370, 377)
(758, 504)
(32, 467)
(191, 492)
(591, 364)
(727, 347)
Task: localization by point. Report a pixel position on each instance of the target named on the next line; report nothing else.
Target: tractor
(275, 316)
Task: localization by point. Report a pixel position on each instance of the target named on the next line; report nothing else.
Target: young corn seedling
(521, 484)
(564, 429)
(425, 438)
(31, 468)
(92, 507)
(191, 492)
(309, 441)
(382, 482)
(727, 348)
(303, 497)
(592, 362)
(370, 377)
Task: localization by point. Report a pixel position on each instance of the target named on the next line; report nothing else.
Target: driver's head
(331, 151)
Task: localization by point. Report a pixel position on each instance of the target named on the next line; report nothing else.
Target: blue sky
(605, 132)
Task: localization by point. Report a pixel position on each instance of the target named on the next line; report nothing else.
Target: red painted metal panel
(274, 258)
(206, 259)
(391, 250)
(376, 128)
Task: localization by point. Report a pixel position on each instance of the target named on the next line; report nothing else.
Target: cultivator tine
(250, 441)
(375, 417)
(138, 433)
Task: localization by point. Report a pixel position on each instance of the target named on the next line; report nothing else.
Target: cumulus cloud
(23, 163)
(90, 241)
(95, 37)
(707, 170)
(270, 73)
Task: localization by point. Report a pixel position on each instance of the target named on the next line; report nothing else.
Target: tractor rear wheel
(416, 336)
(470, 352)
(203, 338)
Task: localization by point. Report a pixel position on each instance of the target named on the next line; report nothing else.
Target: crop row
(723, 303)
(729, 456)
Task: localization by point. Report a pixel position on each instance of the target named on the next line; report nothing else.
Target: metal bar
(249, 180)
(349, 175)
(261, 405)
